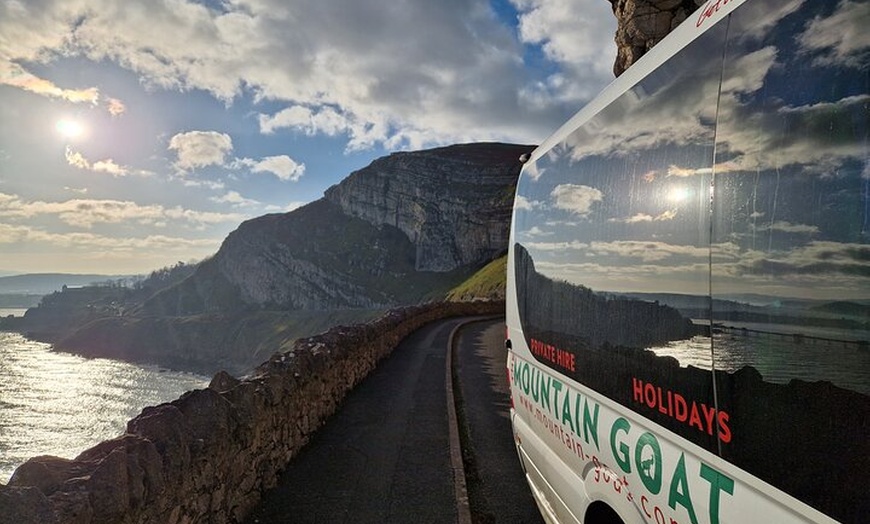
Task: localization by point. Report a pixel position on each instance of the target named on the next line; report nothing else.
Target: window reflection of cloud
(766, 140)
(764, 16)
(636, 277)
(575, 198)
(750, 72)
(816, 258)
(679, 114)
(840, 40)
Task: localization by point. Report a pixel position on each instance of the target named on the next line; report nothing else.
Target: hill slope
(408, 228)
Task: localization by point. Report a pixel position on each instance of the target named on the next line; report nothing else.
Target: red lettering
(660, 516)
(681, 411)
(643, 501)
(662, 408)
(709, 413)
(694, 417)
(709, 10)
(637, 389)
(699, 415)
(649, 393)
(724, 429)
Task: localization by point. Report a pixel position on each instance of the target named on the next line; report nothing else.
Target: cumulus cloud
(402, 75)
(643, 217)
(115, 107)
(521, 202)
(840, 39)
(576, 199)
(234, 198)
(14, 75)
(282, 166)
(788, 227)
(195, 149)
(647, 251)
(326, 121)
(108, 166)
(570, 33)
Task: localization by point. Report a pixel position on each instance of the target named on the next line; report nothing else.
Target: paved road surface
(384, 457)
(497, 488)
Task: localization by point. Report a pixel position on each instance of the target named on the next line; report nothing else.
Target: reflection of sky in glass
(624, 203)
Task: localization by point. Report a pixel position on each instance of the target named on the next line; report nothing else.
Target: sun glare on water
(69, 128)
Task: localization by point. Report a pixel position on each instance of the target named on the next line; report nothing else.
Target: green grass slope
(486, 284)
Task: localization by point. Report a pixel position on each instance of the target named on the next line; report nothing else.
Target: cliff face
(641, 24)
(452, 203)
(406, 227)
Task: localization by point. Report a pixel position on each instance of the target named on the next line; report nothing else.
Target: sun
(69, 128)
(679, 194)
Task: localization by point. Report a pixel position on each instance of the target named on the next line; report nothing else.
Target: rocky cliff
(641, 24)
(452, 203)
(409, 226)
(406, 229)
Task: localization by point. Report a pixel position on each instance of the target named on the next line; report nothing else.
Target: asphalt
(497, 487)
(385, 456)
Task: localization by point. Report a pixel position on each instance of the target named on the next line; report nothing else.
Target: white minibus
(688, 300)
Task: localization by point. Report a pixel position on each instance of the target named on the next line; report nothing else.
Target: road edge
(460, 485)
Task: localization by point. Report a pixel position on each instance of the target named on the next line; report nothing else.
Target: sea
(818, 353)
(55, 403)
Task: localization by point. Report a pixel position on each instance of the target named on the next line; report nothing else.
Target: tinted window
(791, 260)
(612, 230)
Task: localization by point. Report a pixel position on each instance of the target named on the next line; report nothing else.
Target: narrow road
(497, 487)
(384, 457)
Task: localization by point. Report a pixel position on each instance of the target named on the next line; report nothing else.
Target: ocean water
(780, 359)
(54, 403)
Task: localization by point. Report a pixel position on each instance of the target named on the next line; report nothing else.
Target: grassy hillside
(488, 283)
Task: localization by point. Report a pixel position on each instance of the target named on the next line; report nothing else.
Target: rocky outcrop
(209, 455)
(406, 229)
(409, 226)
(452, 203)
(641, 24)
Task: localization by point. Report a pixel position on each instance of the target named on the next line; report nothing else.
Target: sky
(137, 134)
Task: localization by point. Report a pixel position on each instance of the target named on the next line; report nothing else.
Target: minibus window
(612, 246)
(790, 251)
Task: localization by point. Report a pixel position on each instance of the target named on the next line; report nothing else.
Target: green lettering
(620, 455)
(566, 412)
(650, 468)
(577, 400)
(545, 391)
(590, 424)
(679, 492)
(536, 385)
(718, 482)
(526, 378)
(557, 388)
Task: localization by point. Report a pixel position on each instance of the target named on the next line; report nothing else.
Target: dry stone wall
(208, 456)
